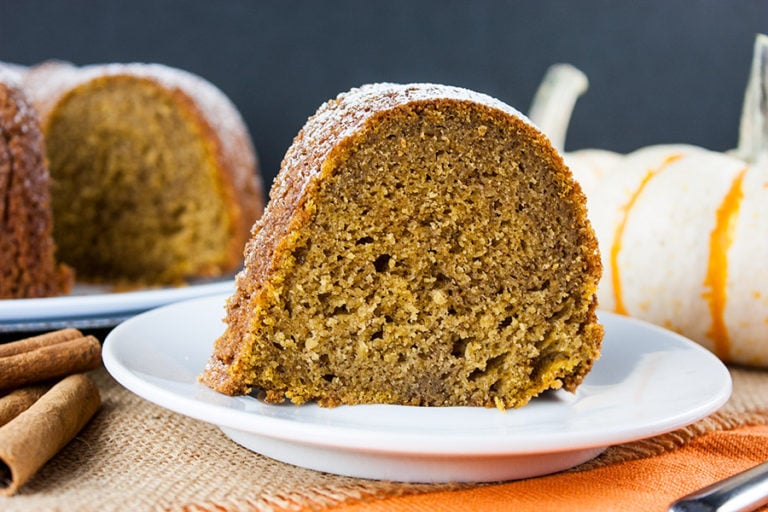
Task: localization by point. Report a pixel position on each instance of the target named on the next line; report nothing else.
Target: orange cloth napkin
(644, 485)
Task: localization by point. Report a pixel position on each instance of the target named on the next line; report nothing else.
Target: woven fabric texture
(135, 455)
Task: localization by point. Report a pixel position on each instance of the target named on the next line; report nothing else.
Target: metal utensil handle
(740, 493)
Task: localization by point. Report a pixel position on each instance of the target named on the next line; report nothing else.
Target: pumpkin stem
(554, 101)
(753, 131)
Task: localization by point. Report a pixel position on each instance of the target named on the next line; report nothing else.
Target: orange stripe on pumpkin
(716, 280)
(619, 233)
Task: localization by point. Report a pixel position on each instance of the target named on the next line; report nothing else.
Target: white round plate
(90, 306)
(648, 381)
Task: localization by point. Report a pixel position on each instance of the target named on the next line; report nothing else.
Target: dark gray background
(660, 71)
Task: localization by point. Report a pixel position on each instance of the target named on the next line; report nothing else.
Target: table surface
(134, 452)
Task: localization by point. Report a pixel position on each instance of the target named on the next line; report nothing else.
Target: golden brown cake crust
(51, 83)
(328, 138)
(27, 265)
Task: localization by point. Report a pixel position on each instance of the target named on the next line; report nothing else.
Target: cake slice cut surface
(154, 177)
(423, 245)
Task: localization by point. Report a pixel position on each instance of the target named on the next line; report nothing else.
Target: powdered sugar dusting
(11, 73)
(24, 115)
(340, 118)
(50, 81)
(215, 106)
(336, 120)
(222, 128)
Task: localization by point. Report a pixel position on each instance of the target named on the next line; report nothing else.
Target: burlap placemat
(137, 456)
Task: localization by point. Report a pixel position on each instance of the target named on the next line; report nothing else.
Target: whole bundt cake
(27, 261)
(155, 179)
(423, 245)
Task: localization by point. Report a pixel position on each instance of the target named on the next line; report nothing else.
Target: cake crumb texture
(423, 245)
(155, 180)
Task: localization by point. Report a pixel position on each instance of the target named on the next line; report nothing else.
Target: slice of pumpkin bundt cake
(423, 245)
(155, 178)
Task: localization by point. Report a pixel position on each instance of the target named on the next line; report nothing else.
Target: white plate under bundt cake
(423, 245)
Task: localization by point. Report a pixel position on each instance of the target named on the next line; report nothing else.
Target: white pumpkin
(683, 231)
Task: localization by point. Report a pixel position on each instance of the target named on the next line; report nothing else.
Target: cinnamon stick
(49, 361)
(43, 340)
(18, 401)
(37, 434)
